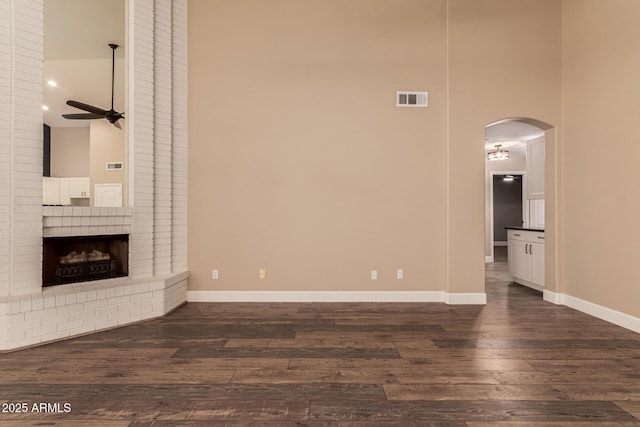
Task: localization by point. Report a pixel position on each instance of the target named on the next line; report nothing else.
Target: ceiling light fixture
(52, 83)
(498, 154)
(45, 108)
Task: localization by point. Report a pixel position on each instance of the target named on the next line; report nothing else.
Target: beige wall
(107, 145)
(300, 163)
(599, 198)
(504, 62)
(70, 151)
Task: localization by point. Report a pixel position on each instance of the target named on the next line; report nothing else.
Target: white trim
(553, 297)
(604, 313)
(488, 259)
(612, 316)
(460, 299)
(338, 296)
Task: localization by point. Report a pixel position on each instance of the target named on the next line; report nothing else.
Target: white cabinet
(50, 191)
(535, 169)
(526, 257)
(79, 187)
(60, 191)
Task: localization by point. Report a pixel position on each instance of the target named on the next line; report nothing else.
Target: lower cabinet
(526, 257)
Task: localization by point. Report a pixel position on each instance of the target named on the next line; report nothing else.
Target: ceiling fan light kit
(95, 112)
(498, 154)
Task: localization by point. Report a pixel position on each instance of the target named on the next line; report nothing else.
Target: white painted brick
(40, 314)
(109, 309)
(65, 309)
(26, 325)
(25, 304)
(70, 324)
(44, 329)
(55, 336)
(95, 304)
(95, 319)
(84, 329)
(83, 315)
(119, 300)
(119, 315)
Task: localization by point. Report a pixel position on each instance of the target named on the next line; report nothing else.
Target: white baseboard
(553, 297)
(488, 259)
(342, 296)
(479, 298)
(613, 316)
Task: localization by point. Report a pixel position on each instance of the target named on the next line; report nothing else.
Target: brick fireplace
(153, 280)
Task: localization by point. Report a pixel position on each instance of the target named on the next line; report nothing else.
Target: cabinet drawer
(525, 235)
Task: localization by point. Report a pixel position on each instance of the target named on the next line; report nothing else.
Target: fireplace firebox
(84, 258)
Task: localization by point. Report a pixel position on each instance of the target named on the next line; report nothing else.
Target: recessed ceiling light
(45, 108)
(52, 83)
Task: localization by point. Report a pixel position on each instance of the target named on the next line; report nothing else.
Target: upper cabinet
(65, 191)
(79, 187)
(535, 169)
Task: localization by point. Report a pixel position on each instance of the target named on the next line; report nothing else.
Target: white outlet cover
(400, 274)
(374, 274)
(215, 274)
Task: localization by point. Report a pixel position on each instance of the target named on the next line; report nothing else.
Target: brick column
(21, 94)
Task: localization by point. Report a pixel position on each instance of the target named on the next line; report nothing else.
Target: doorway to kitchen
(521, 151)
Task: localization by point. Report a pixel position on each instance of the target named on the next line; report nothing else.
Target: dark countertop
(541, 230)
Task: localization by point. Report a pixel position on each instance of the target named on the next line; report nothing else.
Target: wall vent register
(114, 166)
(412, 99)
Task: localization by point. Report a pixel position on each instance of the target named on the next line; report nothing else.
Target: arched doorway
(531, 148)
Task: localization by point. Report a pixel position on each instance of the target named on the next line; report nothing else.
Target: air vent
(412, 99)
(114, 166)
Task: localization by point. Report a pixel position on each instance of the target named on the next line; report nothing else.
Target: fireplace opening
(84, 258)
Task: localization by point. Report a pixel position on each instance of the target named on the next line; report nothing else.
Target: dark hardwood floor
(518, 361)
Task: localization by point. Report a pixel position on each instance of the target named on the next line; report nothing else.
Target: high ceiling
(78, 58)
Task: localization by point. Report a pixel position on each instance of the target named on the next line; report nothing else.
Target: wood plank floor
(518, 361)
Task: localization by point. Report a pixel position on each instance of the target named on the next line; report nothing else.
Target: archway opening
(520, 152)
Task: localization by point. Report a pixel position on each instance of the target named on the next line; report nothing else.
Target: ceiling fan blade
(116, 124)
(82, 116)
(87, 107)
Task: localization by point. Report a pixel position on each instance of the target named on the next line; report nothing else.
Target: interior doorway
(507, 199)
(523, 146)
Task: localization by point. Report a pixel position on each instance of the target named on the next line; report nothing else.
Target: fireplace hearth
(84, 258)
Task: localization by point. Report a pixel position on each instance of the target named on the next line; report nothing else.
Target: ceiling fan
(94, 112)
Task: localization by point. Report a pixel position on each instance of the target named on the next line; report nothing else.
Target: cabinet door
(50, 191)
(65, 196)
(535, 169)
(519, 262)
(536, 251)
(79, 188)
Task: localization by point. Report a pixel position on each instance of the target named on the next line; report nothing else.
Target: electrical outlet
(214, 274)
(374, 274)
(263, 273)
(400, 274)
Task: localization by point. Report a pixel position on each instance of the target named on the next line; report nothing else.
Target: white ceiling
(512, 135)
(78, 58)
